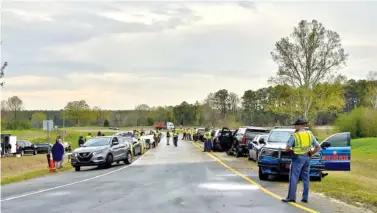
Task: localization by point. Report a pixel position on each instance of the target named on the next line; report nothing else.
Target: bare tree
(312, 54)
(234, 101)
(15, 105)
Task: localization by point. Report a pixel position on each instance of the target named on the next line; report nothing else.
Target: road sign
(48, 125)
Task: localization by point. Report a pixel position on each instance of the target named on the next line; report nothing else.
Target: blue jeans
(300, 166)
(207, 145)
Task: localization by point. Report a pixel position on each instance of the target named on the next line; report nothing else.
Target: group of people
(188, 134)
(173, 134)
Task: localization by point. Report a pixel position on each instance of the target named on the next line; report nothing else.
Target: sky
(116, 55)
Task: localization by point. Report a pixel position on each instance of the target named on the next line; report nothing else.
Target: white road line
(73, 183)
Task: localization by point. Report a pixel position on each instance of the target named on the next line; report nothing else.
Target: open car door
(225, 138)
(336, 152)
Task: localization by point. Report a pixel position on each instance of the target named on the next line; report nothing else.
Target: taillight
(244, 140)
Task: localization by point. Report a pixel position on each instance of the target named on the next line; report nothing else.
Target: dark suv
(25, 147)
(241, 137)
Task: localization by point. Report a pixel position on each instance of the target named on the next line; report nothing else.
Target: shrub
(361, 122)
(18, 125)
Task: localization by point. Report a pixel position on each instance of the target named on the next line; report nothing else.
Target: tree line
(307, 84)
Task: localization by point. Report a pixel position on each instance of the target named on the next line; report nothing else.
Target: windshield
(279, 136)
(97, 142)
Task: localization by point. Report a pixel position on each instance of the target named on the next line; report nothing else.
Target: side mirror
(325, 145)
(261, 140)
(115, 143)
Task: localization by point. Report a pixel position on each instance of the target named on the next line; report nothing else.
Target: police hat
(300, 121)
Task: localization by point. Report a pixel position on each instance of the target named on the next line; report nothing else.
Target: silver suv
(102, 151)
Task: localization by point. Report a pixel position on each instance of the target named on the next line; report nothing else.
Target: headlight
(98, 152)
(74, 154)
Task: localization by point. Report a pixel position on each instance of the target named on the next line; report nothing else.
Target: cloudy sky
(117, 55)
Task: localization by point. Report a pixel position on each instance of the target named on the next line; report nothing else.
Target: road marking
(217, 159)
(73, 183)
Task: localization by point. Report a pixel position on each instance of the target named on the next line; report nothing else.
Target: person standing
(81, 141)
(207, 140)
(167, 137)
(57, 153)
(300, 143)
(175, 137)
(88, 136)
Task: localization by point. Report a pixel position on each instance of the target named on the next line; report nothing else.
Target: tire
(77, 168)
(237, 153)
(261, 175)
(109, 160)
(35, 152)
(128, 159)
(319, 178)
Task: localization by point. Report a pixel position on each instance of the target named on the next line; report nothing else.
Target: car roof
(282, 130)
(253, 127)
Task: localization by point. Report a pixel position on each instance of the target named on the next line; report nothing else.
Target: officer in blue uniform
(300, 143)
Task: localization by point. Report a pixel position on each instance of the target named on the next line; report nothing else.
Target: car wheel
(109, 160)
(128, 159)
(237, 153)
(261, 175)
(77, 168)
(318, 178)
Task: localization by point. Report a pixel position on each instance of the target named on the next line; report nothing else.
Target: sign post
(48, 125)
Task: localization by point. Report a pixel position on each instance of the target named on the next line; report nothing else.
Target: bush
(361, 123)
(106, 123)
(18, 125)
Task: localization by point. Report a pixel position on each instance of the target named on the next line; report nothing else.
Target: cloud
(162, 53)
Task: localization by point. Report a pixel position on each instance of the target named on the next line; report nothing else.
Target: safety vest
(88, 137)
(207, 135)
(175, 134)
(302, 142)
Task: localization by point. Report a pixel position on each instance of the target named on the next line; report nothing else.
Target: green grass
(32, 174)
(359, 186)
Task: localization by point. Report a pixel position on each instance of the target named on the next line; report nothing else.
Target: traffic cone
(52, 165)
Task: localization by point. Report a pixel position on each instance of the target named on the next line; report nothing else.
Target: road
(165, 179)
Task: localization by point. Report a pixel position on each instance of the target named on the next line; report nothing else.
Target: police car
(335, 155)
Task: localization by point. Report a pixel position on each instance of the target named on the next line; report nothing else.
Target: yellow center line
(217, 159)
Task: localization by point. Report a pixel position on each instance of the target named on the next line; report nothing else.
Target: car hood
(275, 145)
(89, 149)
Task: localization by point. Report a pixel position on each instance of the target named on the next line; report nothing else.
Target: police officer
(88, 136)
(167, 137)
(207, 140)
(175, 137)
(300, 144)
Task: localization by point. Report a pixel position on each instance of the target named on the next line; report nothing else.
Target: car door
(336, 152)
(122, 147)
(225, 138)
(116, 148)
(253, 147)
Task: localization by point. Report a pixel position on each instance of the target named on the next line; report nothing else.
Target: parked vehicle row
(103, 151)
(266, 147)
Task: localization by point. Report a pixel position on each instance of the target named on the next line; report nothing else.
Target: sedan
(256, 145)
(43, 147)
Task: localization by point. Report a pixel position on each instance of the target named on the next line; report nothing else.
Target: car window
(97, 142)
(115, 139)
(279, 136)
(251, 133)
(338, 140)
(241, 131)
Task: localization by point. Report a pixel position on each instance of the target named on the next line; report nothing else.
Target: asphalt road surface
(166, 179)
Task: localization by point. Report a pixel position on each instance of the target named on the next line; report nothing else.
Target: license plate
(287, 166)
